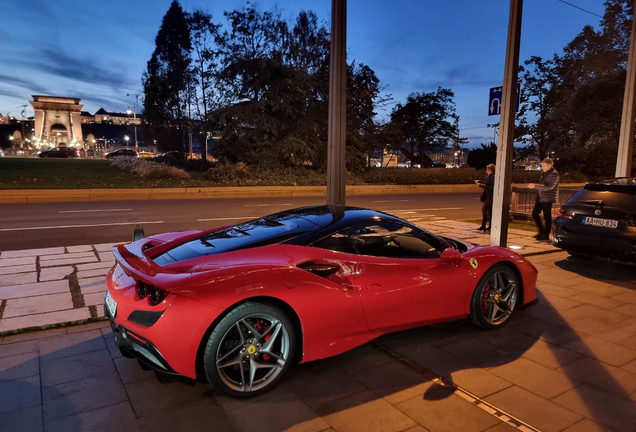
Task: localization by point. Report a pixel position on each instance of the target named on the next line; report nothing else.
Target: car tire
(495, 297)
(249, 350)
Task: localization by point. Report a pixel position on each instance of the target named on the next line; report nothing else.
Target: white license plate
(603, 223)
(111, 304)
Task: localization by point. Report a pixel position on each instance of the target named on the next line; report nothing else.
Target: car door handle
(322, 270)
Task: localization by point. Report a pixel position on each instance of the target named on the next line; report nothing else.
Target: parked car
(121, 152)
(237, 306)
(62, 152)
(1, 152)
(146, 154)
(600, 221)
(439, 164)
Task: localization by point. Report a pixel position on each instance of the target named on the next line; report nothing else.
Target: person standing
(486, 197)
(548, 188)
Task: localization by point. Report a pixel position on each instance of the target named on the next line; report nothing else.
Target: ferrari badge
(473, 262)
(251, 349)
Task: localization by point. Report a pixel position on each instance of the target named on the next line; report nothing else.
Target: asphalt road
(29, 226)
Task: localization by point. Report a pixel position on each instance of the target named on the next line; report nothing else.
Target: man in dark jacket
(486, 197)
(548, 188)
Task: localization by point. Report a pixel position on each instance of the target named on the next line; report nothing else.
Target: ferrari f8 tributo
(238, 305)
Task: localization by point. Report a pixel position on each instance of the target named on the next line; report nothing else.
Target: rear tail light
(154, 294)
(564, 215)
(142, 290)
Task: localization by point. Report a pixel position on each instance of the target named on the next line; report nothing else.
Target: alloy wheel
(253, 352)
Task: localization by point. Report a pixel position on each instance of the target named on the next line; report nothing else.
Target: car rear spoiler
(138, 266)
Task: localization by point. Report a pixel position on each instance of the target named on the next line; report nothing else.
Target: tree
(276, 82)
(479, 158)
(166, 82)
(538, 77)
(204, 97)
(363, 89)
(587, 95)
(427, 122)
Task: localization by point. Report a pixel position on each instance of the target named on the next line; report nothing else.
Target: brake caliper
(261, 328)
(484, 297)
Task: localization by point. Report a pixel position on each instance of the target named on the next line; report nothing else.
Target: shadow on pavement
(623, 275)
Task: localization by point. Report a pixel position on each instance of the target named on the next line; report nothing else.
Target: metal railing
(523, 199)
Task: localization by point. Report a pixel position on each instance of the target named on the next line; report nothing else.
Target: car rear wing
(136, 264)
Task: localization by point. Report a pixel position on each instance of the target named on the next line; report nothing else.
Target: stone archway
(59, 135)
(57, 121)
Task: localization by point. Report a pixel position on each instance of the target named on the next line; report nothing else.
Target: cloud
(84, 70)
(30, 85)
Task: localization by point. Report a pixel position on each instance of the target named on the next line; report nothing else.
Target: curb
(69, 195)
(8, 196)
(63, 324)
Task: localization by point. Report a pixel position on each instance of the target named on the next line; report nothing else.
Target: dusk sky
(97, 51)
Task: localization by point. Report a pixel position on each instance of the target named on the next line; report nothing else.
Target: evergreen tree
(167, 81)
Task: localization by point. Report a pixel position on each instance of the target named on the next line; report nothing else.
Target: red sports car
(238, 305)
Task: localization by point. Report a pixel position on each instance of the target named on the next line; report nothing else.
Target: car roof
(329, 219)
(620, 184)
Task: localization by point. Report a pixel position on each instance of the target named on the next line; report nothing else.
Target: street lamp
(126, 139)
(456, 158)
(135, 118)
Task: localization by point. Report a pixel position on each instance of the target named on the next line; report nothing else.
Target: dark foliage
(166, 82)
(479, 158)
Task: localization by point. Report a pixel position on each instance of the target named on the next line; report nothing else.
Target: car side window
(392, 240)
(338, 242)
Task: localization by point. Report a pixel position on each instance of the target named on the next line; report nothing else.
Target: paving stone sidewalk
(40, 287)
(567, 363)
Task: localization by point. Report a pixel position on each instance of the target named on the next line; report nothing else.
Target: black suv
(599, 220)
(121, 152)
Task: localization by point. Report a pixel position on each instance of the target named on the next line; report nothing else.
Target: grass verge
(34, 173)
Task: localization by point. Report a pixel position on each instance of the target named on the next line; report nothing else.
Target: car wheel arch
(512, 266)
(282, 305)
(517, 273)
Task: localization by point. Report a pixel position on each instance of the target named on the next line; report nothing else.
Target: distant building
(87, 118)
(103, 116)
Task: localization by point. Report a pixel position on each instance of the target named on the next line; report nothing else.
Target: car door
(402, 280)
(338, 251)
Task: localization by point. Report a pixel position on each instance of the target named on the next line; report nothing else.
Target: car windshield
(259, 232)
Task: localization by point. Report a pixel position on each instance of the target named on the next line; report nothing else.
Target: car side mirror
(451, 256)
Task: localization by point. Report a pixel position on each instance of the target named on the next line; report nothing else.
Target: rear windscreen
(259, 232)
(610, 199)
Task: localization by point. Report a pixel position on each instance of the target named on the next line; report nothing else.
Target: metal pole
(337, 135)
(505, 148)
(626, 141)
(135, 122)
